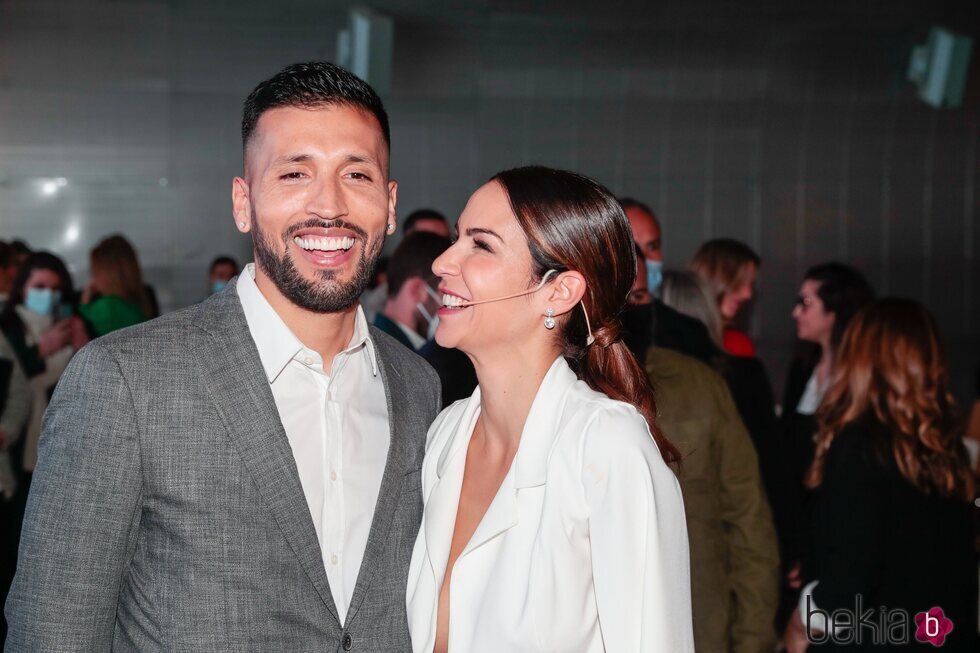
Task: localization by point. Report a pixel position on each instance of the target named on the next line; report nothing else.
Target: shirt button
(333, 559)
(348, 642)
(333, 476)
(308, 360)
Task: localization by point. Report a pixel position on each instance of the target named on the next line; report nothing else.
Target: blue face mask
(41, 300)
(655, 275)
(218, 286)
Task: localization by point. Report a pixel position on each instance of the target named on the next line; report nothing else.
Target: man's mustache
(317, 223)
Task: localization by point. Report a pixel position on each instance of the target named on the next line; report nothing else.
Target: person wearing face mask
(408, 315)
(223, 269)
(44, 333)
(670, 328)
(734, 555)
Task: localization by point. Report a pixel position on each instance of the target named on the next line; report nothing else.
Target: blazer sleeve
(638, 535)
(751, 544)
(82, 516)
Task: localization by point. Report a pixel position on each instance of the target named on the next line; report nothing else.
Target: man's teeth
(452, 301)
(324, 244)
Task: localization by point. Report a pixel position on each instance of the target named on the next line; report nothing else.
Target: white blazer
(584, 547)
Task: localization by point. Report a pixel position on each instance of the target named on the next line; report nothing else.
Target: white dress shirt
(336, 420)
(583, 549)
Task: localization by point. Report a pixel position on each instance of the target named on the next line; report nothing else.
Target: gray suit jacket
(166, 511)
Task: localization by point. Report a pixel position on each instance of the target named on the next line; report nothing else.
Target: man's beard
(326, 294)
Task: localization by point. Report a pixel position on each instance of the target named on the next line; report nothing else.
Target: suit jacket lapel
(400, 457)
(244, 400)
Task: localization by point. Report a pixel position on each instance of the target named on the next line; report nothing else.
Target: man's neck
(325, 333)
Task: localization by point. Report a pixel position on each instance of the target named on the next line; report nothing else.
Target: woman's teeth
(324, 244)
(452, 301)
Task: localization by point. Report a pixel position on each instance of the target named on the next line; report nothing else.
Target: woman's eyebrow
(482, 230)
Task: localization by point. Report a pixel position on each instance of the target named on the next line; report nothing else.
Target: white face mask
(431, 320)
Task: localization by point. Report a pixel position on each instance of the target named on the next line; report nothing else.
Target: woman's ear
(566, 292)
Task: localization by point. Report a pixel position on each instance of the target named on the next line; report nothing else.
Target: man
(243, 475)
(409, 313)
(672, 330)
(223, 269)
(426, 220)
(734, 551)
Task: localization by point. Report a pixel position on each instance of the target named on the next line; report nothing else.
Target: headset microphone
(544, 280)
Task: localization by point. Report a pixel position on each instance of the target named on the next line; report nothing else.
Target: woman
(891, 516)
(39, 323)
(687, 293)
(552, 520)
(730, 268)
(830, 295)
(115, 297)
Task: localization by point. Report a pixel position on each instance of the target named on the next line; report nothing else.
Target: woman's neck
(509, 381)
(825, 366)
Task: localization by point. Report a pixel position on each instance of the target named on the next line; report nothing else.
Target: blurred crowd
(781, 491)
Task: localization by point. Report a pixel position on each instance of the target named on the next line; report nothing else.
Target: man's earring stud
(241, 224)
(391, 227)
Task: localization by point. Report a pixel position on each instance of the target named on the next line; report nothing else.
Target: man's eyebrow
(287, 159)
(482, 230)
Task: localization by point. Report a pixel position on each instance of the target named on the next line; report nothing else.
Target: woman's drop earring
(549, 322)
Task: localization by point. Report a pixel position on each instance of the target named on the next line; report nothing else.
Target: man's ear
(392, 204)
(241, 205)
(566, 292)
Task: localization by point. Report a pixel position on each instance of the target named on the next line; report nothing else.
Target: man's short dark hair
(422, 214)
(413, 258)
(312, 85)
(223, 260)
(630, 203)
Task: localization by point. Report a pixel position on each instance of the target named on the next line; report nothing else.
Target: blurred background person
(116, 296)
(670, 328)
(426, 220)
(829, 297)
(891, 515)
(409, 314)
(748, 382)
(15, 406)
(730, 268)
(8, 271)
(223, 269)
(21, 252)
(734, 552)
(40, 324)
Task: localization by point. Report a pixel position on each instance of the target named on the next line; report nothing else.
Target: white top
(583, 549)
(336, 420)
(812, 396)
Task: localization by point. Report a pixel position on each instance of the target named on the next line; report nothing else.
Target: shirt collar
(276, 343)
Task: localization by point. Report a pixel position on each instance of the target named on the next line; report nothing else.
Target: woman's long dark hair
(844, 291)
(573, 223)
(891, 367)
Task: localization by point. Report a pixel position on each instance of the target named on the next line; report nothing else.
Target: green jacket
(734, 553)
(110, 313)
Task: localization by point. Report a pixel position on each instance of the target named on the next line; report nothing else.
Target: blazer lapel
(442, 504)
(400, 455)
(243, 398)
